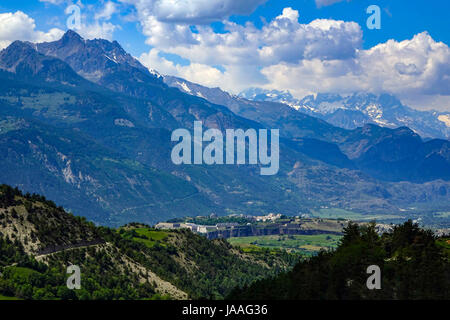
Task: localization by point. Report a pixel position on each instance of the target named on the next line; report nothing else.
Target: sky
(304, 46)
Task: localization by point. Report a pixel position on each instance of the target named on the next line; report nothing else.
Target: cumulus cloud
(196, 72)
(321, 56)
(19, 26)
(416, 70)
(205, 74)
(419, 65)
(283, 39)
(247, 48)
(194, 11)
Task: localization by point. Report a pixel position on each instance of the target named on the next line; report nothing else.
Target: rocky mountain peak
(70, 36)
(95, 59)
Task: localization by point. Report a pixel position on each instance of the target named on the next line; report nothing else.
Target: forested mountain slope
(39, 240)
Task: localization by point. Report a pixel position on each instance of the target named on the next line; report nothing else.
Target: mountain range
(356, 110)
(384, 153)
(84, 123)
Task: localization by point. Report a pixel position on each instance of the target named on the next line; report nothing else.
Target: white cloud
(195, 72)
(194, 11)
(204, 74)
(419, 65)
(416, 70)
(95, 24)
(97, 30)
(19, 26)
(284, 39)
(321, 56)
(249, 49)
(108, 10)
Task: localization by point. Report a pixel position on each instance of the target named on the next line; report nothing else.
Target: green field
(306, 244)
(148, 236)
(5, 298)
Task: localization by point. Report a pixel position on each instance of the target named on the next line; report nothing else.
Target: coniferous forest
(414, 265)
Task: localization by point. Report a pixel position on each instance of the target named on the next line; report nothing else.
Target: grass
(444, 243)
(251, 248)
(149, 237)
(153, 235)
(22, 272)
(306, 244)
(5, 298)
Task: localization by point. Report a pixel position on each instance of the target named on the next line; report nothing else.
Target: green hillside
(39, 240)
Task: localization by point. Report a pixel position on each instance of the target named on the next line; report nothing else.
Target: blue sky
(212, 43)
(401, 19)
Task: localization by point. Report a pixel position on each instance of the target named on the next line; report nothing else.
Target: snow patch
(112, 59)
(374, 112)
(445, 118)
(184, 86)
(200, 95)
(155, 73)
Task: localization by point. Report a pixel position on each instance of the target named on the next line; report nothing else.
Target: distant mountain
(84, 123)
(292, 124)
(383, 153)
(257, 94)
(397, 154)
(356, 110)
